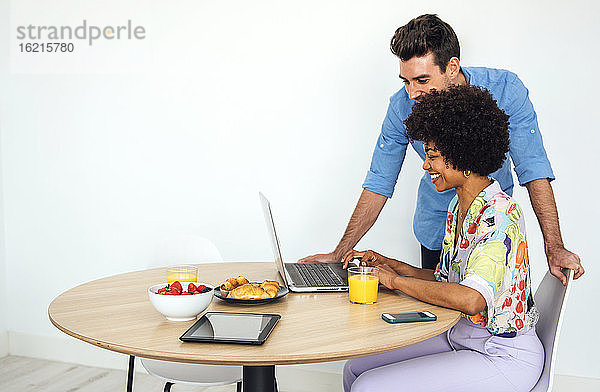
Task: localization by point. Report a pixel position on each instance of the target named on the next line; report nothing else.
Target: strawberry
(192, 287)
(163, 290)
(186, 293)
(173, 291)
(176, 285)
(200, 288)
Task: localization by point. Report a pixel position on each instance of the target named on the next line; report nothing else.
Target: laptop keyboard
(316, 274)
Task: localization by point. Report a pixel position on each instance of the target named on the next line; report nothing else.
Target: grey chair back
(550, 300)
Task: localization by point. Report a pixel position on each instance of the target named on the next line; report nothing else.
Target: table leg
(130, 373)
(259, 379)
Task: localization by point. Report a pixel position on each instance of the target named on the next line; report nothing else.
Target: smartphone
(408, 317)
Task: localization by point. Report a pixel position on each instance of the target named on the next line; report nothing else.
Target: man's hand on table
(321, 258)
(558, 258)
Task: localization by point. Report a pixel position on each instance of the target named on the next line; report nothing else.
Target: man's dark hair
(466, 126)
(423, 34)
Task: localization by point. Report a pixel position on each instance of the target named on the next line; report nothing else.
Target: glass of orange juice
(182, 273)
(362, 284)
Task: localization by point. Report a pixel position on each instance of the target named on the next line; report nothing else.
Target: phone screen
(407, 315)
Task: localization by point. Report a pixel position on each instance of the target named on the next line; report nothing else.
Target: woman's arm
(449, 295)
(370, 258)
(420, 283)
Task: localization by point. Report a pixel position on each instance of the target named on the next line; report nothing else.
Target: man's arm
(364, 216)
(533, 170)
(386, 163)
(544, 206)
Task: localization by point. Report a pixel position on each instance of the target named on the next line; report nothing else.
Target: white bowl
(180, 307)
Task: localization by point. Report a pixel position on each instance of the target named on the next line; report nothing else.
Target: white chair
(190, 249)
(550, 300)
(185, 249)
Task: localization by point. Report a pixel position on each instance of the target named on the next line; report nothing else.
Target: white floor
(24, 374)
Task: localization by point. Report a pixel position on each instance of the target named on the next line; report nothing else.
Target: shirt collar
(491, 190)
(484, 197)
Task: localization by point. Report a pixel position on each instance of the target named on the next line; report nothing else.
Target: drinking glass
(182, 273)
(362, 284)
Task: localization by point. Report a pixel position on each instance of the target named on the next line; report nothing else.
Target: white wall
(3, 308)
(109, 149)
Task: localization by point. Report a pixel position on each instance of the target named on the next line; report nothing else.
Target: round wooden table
(115, 313)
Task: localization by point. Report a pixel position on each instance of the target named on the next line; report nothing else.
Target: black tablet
(244, 328)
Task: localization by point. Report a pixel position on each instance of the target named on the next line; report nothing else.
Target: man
(429, 54)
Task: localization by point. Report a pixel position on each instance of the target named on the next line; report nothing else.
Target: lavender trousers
(466, 357)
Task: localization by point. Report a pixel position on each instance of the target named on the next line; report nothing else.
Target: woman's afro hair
(466, 126)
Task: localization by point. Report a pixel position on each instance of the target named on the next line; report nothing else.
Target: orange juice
(181, 277)
(182, 273)
(363, 288)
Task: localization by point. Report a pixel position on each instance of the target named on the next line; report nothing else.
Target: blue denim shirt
(526, 151)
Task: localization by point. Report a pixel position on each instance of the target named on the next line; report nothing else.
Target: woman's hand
(368, 258)
(386, 276)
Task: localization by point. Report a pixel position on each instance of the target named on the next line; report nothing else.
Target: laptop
(303, 277)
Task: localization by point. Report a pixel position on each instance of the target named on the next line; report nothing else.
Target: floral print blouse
(491, 257)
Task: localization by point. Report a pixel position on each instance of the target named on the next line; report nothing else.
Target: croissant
(270, 282)
(229, 284)
(241, 288)
(232, 283)
(270, 289)
(248, 291)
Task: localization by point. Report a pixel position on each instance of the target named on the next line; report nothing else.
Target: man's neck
(462, 79)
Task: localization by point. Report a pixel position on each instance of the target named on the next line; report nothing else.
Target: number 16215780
(47, 47)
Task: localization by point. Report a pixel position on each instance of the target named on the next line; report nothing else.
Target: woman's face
(443, 176)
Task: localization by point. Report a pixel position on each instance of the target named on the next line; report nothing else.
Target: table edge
(286, 359)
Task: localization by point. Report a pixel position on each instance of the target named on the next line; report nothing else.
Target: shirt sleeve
(526, 147)
(388, 155)
(486, 267)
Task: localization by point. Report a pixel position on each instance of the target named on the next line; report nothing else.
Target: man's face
(420, 75)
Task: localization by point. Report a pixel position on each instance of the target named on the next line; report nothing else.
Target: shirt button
(381, 145)
(533, 131)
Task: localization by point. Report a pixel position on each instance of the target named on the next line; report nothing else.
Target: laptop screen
(273, 236)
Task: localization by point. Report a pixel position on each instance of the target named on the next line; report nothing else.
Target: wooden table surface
(115, 313)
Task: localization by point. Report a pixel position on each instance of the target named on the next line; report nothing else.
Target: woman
(483, 270)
